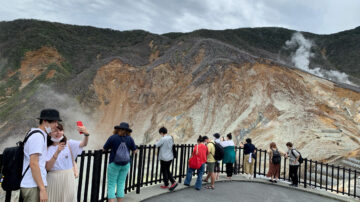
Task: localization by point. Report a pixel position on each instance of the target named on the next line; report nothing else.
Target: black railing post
(181, 162)
(87, 178)
(305, 173)
(338, 179)
(139, 174)
(316, 168)
(96, 172)
(284, 168)
(321, 174)
(310, 169)
(153, 165)
(343, 191)
(255, 161)
(355, 183)
(332, 177)
(81, 173)
(259, 161)
(326, 179)
(349, 182)
(265, 162)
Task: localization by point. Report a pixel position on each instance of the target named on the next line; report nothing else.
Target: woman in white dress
(60, 162)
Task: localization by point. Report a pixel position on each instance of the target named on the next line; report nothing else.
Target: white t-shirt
(227, 143)
(36, 144)
(64, 160)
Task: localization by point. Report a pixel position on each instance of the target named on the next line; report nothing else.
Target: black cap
(217, 135)
(50, 115)
(123, 126)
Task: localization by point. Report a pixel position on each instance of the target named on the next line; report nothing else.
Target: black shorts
(217, 167)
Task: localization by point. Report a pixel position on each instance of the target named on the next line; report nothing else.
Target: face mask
(48, 129)
(56, 140)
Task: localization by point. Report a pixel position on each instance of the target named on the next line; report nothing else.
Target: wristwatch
(86, 134)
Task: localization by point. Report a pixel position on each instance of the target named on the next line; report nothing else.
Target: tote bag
(195, 161)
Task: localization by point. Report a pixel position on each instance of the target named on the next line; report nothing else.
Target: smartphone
(79, 123)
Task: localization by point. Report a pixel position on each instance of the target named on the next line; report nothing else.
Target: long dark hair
(50, 142)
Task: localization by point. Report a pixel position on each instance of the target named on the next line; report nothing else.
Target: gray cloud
(162, 16)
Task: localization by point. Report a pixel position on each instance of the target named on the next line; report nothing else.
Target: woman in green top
(229, 154)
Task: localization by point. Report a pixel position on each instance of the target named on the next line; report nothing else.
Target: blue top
(114, 142)
(249, 148)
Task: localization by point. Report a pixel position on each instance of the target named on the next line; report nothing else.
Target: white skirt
(61, 186)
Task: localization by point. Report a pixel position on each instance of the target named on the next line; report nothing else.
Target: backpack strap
(292, 151)
(25, 140)
(214, 149)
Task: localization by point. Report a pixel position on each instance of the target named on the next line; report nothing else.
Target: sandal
(205, 180)
(210, 187)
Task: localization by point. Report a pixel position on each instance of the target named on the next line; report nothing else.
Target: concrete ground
(239, 189)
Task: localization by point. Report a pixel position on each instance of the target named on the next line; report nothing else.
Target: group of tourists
(49, 167)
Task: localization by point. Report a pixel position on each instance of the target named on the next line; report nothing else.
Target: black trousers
(293, 172)
(229, 169)
(165, 170)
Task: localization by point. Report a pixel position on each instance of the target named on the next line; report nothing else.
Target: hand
(43, 195)
(61, 147)
(83, 130)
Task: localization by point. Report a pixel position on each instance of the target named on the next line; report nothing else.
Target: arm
(108, 144)
(50, 163)
(85, 140)
(36, 173)
(160, 142)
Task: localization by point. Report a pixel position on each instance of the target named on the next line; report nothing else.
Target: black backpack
(219, 151)
(12, 162)
(301, 160)
(174, 150)
(276, 158)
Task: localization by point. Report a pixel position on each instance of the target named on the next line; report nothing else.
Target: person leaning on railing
(229, 155)
(250, 153)
(120, 144)
(61, 166)
(293, 156)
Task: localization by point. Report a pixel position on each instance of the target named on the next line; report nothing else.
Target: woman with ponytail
(197, 162)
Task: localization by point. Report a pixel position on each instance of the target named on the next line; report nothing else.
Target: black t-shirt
(249, 148)
(114, 142)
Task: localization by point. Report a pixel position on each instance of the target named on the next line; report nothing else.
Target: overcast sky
(162, 16)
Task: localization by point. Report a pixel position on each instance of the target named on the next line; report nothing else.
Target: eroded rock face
(263, 101)
(36, 62)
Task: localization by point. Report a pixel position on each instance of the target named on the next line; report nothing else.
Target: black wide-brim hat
(123, 126)
(50, 115)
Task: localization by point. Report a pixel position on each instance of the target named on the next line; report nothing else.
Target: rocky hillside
(243, 81)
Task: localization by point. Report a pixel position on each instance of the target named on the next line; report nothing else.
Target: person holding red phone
(61, 166)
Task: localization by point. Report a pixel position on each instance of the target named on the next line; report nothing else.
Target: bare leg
(212, 179)
(119, 199)
(111, 200)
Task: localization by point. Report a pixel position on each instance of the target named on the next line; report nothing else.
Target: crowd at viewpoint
(49, 169)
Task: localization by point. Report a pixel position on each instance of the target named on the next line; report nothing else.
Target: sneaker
(186, 185)
(164, 187)
(173, 186)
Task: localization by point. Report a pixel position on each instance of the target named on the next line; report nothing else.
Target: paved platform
(239, 189)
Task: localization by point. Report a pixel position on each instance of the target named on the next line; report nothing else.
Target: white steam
(301, 59)
(70, 112)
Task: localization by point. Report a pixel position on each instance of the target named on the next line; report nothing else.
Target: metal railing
(145, 171)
